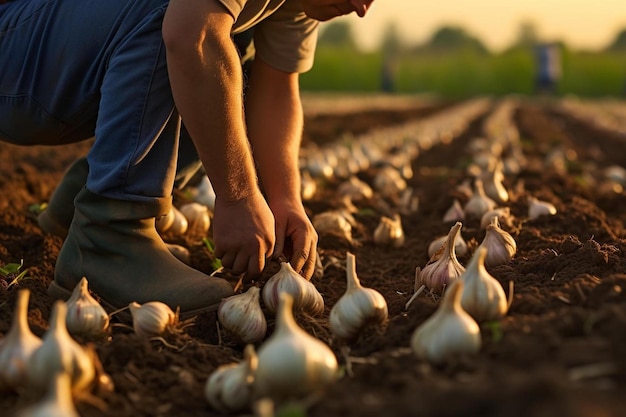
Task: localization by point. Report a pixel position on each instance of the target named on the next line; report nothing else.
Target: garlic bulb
(409, 201)
(454, 213)
(308, 186)
(448, 332)
(358, 308)
(306, 298)
(355, 189)
(153, 318)
(85, 316)
(389, 232)
(443, 268)
(205, 193)
(242, 316)
(58, 401)
(173, 222)
(198, 219)
(389, 182)
(332, 222)
(230, 387)
(292, 362)
(499, 243)
(460, 245)
(60, 353)
(502, 213)
(483, 297)
(479, 203)
(538, 208)
(492, 182)
(17, 346)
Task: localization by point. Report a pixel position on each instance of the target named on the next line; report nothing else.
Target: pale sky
(582, 24)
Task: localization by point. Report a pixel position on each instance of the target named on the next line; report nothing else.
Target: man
(127, 71)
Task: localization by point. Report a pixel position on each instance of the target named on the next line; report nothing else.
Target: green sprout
(37, 208)
(215, 263)
(496, 330)
(12, 274)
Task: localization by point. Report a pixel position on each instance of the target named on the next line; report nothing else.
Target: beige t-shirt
(284, 37)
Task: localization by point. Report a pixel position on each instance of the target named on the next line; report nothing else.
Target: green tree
(452, 39)
(619, 43)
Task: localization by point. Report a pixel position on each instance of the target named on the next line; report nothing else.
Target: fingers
(309, 266)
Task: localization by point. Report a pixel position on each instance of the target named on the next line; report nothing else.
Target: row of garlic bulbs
(291, 362)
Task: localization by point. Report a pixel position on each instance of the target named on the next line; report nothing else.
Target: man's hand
(243, 232)
(295, 237)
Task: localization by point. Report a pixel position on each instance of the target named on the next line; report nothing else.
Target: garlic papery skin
(198, 219)
(537, 208)
(242, 316)
(292, 362)
(502, 213)
(389, 232)
(450, 331)
(332, 222)
(58, 401)
(358, 308)
(230, 387)
(60, 353)
(17, 346)
(460, 245)
(483, 297)
(85, 316)
(443, 267)
(152, 319)
(455, 212)
(501, 246)
(306, 298)
(479, 203)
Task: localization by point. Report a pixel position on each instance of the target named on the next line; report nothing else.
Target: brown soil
(561, 350)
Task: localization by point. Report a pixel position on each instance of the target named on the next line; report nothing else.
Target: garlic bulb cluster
(173, 222)
(306, 298)
(455, 212)
(537, 208)
(153, 318)
(58, 401)
(333, 222)
(358, 308)
(292, 362)
(483, 297)
(356, 189)
(448, 332)
(230, 387)
(389, 232)
(198, 219)
(17, 346)
(443, 268)
(460, 245)
(85, 316)
(60, 353)
(499, 243)
(502, 213)
(242, 316)
(479, 203)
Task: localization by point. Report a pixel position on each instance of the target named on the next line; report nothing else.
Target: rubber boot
(114, 244)
(57, 216)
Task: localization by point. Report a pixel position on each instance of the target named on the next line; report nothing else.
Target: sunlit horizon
(581, 24)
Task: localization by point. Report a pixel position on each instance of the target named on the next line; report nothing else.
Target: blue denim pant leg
(70, 69)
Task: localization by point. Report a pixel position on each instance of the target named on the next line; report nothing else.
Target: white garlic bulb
(409, 201)
(308, 186)
(173, 222)
(479, 203)
(389, 182)
(198, 219)
(306, 298)
(501, 246)
(230, 387)
(85, 316)
(492, 182)
(455, 212)
(448, 332)
(242, 316)
(358, 308)
(483, 297)
(17, 346)
(460, 245)
(60, 353)
(538, 208)
(389, 232)
(443, 267)
(332, 222)
(292, 362)
(502, 213)
(58, 401)
(152, 319)
(205, 193)
(355, 189)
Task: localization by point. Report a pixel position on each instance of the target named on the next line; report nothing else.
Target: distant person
(548, 68)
